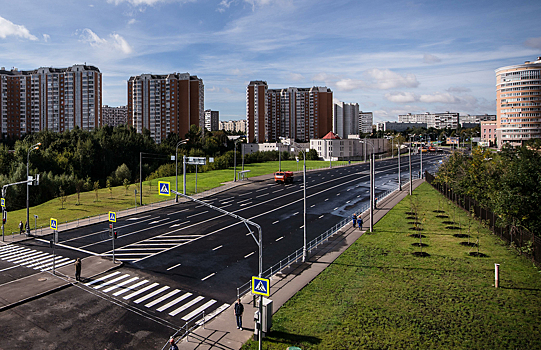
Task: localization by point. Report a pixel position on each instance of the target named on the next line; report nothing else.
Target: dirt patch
(448, 222)
(438, 211)
(411, 217)
(479, 255)
(461, 235)
(441, 216)
(420, 254)
(452, 227)
(410, 213)
(469, 244)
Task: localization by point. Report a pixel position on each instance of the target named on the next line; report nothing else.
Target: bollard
(496, 275)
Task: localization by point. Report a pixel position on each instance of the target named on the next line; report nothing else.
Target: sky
(391, 57)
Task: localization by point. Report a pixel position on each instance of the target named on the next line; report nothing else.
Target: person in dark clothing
(78, 269)
(354, 218)
(239, 309)
(21, 228)
(360, 219)
(173, 345)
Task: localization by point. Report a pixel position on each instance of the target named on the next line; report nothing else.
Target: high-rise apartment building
(233, 125)
(212, 120)
(114, 116)
(296, 113)
(56, 99)
(345, 118)
(366, 120)
(518, 103)
(164, 104)
(447, 120)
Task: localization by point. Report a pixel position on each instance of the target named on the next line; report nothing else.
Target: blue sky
(391, 57)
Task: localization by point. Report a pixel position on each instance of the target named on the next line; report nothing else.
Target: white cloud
(145, 2)
(8, 28)
(386, 79)
(428, 58)
(115, 43)
(132, 21)
(439, 98)
(401, 97)
(349, 84)
(533, 43)
(223, 5)
(458, 89)
(46, 37)
(296, 77)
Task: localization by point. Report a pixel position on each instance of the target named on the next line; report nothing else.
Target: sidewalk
(32, 287)
(221, 332)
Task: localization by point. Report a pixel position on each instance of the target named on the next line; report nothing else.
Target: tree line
(507, 182)
(76, 161)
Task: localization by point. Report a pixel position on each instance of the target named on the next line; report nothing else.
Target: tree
(110, 188)
(126, 184)
(62, 196)
(96, 188)
(79, 186)
(122, 172)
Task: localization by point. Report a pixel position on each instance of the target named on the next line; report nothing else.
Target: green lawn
(121, 199)
(378, 295)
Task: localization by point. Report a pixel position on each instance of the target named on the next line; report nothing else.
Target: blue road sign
(260, 286)
(112, 216)
(53, 224)
(3, 203)
(164, 188)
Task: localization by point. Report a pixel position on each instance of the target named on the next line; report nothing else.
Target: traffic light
(4, 216)
(110, 230)
(115, 235)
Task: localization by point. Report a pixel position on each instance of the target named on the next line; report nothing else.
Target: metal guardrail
(313, 244)
(187, 328)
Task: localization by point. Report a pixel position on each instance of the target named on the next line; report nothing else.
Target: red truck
(283, 176)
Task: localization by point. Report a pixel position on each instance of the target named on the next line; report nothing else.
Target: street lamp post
(36, 146)
(304, 253)
(235, 157)
(399, 179)
(372, 180)
(409, 155)
(182, 142)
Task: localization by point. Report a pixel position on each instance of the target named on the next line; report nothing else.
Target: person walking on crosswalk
(78, 269)
(239, 309)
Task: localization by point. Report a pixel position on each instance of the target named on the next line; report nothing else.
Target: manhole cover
(42, 279)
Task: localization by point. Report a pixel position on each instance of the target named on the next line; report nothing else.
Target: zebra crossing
(31, 258)
(160, 298)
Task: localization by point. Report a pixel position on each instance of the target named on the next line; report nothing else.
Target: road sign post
(112, 220)
(53, 224)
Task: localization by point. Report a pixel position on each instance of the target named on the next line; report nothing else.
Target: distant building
(518, 103)
(366, 120)
(164, 104)
(345, 118)
(55, 99)
(447, 120)
(332, 147)
(114, 116)
(212, 120)
(488, 131)
(297, 113)
(400, 126)
(233, 125)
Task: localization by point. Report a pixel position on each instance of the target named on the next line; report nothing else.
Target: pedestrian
(354, 217)
(21, 227)
(173, 345)
(376, 203)
(360, 219)
(78, 269)
(239, 309)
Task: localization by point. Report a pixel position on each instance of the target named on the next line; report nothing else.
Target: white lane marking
(326, 199)
(185, 306)
(166, 296)
(127, 289)
(313, 205)
(335, 208)
(180, 211)
(225, 199)
(296, 213)
(277, 221)
(120, 284)
(112, 281)
(148, 296)
(139, 218)
(198, 310)
(277, 239)
(243, 204)
(349, 189)
(321, 216)
(225, 206)
(348, 202)
(301, 226)
(218, 247)
(262, 195)
(209, 276)
(244, 200)
(172, 267)
(25, 257)
(129, 296)
(157, 221)
(278, 191)
(57, 261)
(102, 278)
(244, 194)
(9, 268)
(262, 189)
(191, 216)
(173, 302)
(338, 194)
(252, 253)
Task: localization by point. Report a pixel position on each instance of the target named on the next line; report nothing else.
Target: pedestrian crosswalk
(161, 298)
(31, 258)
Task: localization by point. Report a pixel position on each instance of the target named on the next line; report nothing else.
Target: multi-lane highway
(188, 258)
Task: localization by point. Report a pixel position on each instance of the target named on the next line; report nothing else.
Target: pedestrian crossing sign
(260, 286)
(164, 188)
(112, 216)
(54, 224)
(3, 202)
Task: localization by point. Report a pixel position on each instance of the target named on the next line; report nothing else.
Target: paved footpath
(222, 333)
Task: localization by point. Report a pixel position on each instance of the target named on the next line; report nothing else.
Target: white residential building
(366, 119)
(345, 118)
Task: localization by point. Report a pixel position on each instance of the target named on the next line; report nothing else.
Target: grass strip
(379, 295)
